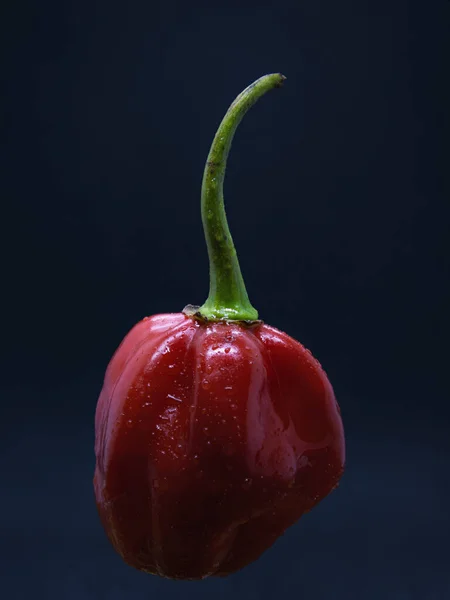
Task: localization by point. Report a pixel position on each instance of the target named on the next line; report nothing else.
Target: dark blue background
(337, 196)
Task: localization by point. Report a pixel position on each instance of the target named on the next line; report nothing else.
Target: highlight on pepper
(214, 432)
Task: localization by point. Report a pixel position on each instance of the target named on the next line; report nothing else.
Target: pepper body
(211, 440)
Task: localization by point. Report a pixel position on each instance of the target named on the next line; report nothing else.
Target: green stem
(228, 299)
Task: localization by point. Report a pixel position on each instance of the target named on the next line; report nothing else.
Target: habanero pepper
(214, 432)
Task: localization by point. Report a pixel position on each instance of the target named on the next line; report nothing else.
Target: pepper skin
(214, 432)
(212, 439)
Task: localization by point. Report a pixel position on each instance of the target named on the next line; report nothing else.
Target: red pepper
(214, 431)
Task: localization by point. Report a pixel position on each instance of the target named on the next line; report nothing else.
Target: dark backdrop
(336, 200)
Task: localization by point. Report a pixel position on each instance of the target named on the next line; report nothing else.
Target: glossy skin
(211, 440)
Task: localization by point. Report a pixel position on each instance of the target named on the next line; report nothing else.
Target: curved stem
(228, 297)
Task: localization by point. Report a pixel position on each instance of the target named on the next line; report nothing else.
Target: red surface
(211, 440)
